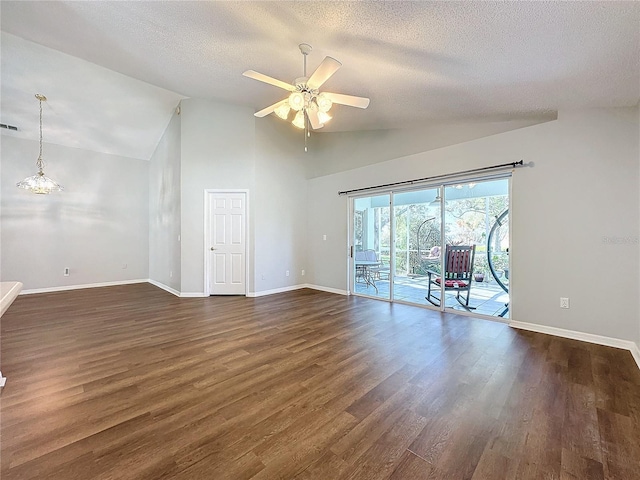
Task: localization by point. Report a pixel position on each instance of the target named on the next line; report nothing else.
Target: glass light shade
(296, 101)
(324, 103)
(299, 120)
(324, 117)
(283, 111)
(39, 183)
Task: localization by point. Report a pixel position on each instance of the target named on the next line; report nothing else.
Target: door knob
(212, 248)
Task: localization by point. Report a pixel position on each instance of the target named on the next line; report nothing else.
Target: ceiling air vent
(9, 127)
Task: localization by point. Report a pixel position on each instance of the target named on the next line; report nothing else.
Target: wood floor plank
(495, 466)
(580, 432)
(131, 382)
(577, 467)
(328, 465)
(412, 467)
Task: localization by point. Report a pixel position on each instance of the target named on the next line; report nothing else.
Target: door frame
(442, 185)
(351, 280)
(207, 224)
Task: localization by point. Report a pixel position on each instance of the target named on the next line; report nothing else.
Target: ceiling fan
(311, 105)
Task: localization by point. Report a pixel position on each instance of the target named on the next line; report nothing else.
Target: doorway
(371, 247)
(409, 235)
(225, 242)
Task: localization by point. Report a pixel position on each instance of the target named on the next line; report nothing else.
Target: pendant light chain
(39, 162)
(306, 131)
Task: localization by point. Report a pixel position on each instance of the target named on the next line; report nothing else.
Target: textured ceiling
(417, 61)
(88, 106)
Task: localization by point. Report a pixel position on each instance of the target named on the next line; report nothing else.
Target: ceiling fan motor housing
(302, 87)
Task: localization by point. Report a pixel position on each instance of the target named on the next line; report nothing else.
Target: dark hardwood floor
(133, 383)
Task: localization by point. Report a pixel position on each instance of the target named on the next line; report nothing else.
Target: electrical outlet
(564, 302)
(303, 273)
(171, 274)
(324, 237)
(262, 277)
(287, 273)
(66, 271)
(124, 266)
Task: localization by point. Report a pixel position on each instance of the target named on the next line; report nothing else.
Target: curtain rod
(435, 177)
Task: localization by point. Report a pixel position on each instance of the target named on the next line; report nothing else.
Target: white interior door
(227, 243)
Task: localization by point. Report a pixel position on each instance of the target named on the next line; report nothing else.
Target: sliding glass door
(477, 215)
(444, 247)
(417, 217)
(370, 258)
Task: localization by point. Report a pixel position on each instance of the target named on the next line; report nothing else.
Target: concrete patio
(487, 298)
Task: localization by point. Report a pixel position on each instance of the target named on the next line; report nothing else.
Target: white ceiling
(88, 106)
(417, 61)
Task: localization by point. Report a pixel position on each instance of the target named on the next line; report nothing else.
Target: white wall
(222, 147)
(96, 226)
(581, 192)
(217, 152)
(279, 206)
(339, 152)
(164, 208)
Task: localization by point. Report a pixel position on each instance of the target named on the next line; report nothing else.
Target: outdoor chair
(378, 270)
(360, 269)
(458, 272)
(374, 272)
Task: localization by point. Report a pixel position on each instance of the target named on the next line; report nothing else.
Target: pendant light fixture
(40, 183)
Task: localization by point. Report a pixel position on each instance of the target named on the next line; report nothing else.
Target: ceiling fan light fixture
(298, 121)
(304, 96)
(283, 111)
(324, 117)
(324, 103)
(296, 101)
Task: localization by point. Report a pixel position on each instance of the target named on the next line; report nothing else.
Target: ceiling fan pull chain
(306, 128)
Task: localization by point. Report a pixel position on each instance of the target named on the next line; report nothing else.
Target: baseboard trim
(79, 287)
(584, 337)
(192, 295)
(164, 287)
(297, 287)
(327, 289)
(635, 351)
(276, 290)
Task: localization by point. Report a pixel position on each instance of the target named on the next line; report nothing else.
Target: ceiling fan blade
(266, 111)
(328, 67)
(270, 80)
(349, 100)
(314, 120)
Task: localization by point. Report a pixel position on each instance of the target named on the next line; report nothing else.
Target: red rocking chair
(458, 272)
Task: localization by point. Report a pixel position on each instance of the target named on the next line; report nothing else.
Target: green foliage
(468, 221)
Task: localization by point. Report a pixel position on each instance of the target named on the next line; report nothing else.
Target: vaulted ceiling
(419, 62)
